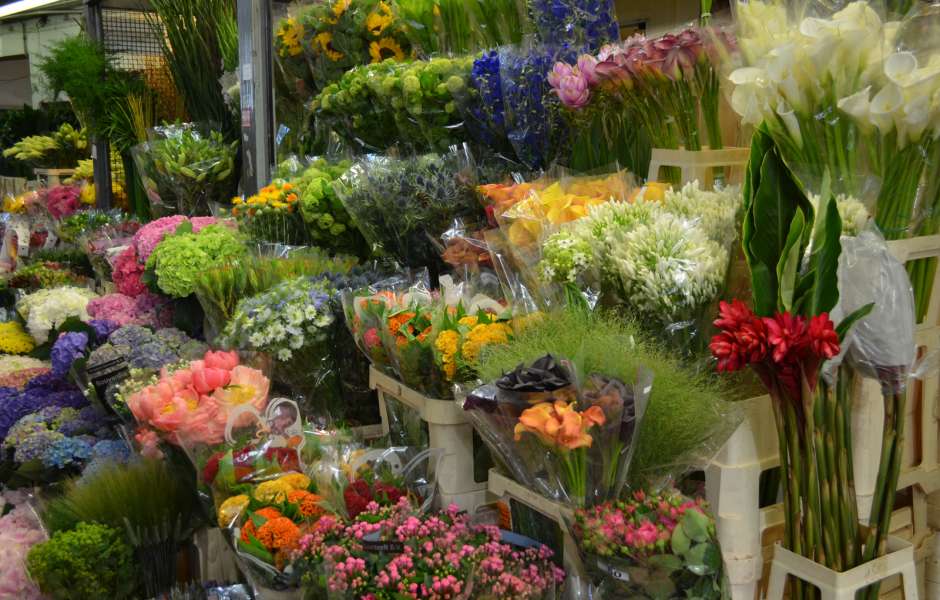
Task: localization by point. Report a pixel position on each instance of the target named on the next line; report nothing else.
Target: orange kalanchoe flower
(559, 424)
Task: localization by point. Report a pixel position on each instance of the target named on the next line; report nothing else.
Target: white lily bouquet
(853, 95)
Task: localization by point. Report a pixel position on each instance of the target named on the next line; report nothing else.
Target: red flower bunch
(126, 272)
(782, 347)
(63, 200)
(360, 493)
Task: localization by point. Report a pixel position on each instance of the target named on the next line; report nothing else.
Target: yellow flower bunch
(384, 49)
(325, 41)
(562, 201)
(463, 344)
(277, 490)
(279, 196)
(15, 205)
(379, 19)
(14, 339)
(232, 509)
(290, 35)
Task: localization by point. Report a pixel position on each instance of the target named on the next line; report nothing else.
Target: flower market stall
(527, 309)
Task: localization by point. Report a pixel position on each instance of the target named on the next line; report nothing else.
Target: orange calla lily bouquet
(568, 439)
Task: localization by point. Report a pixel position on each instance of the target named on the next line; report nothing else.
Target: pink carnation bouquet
(194, 402)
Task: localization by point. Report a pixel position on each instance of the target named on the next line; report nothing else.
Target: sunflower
(379, 20)
(325, 40)
(386, 48)
(290, 34)
(340, 6)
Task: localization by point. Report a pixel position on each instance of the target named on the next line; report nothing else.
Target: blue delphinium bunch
(533, 119)
(590, 23)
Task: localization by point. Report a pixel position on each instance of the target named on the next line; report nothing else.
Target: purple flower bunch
(590, 23)
(67, 349)
(59, 437)
(49, 390)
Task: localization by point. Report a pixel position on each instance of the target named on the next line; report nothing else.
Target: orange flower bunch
(308, 503)
(559, 425)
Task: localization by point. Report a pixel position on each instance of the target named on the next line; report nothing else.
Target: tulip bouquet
(347, 560)
(272, 214)
(194, 401)
(786, 339)
(652, 546)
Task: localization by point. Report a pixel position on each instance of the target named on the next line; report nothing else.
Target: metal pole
(257, 92)
(100, 151)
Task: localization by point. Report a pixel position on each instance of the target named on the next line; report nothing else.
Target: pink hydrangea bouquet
(194, 402)
(651, 546)
(145, 309)
(19, 531)
(151, 234)
(126, 271)
(433, 556)
(63, 200)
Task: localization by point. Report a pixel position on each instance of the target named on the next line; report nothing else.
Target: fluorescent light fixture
(24, 5)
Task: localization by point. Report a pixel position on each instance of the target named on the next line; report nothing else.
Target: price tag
(613, 572)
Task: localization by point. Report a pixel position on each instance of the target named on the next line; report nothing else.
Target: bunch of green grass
(155, 506)
(197, 41)
(687, 419)
(146, 494)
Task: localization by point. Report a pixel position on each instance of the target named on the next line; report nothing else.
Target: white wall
(660, 16)
(31, 38)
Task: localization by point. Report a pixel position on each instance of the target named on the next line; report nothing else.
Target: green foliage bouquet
(60, 149)
(329, 225)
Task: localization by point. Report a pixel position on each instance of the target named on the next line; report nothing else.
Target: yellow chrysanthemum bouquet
(14, 339)
(272, 215)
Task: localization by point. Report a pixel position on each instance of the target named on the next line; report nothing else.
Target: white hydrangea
(47, 309)
(668, 268)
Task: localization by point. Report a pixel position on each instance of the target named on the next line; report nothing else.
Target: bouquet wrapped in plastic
(194, 163)
(272, 214)
(403, 205)
(293, 322)
(660, 546)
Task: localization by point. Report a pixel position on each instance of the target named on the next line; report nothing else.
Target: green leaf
(789, 264)
(695, 525)
(712, 558)
(696, 559)
(680, 541)
(825, 261)
(843, 328)
(668, 562)
(259, 553)
(761, 279)
(760, 145)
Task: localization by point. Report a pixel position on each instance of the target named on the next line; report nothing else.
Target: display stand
(502, 486)
(448, 429)
(53, 177)
(842, 586)
(700, 165)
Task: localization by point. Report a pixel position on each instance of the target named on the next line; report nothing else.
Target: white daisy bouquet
(293, 323)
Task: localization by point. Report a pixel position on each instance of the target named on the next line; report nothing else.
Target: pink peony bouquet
(145, 309)
(126, 271)
(194, 402)
(19, 531)
(63, 200)
(153, 233)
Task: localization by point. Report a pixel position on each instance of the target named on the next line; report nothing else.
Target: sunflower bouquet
(272, 214)
(324, 40)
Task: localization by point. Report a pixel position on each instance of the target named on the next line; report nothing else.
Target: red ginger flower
(786, 334)
(743, 340)
(823, 338)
